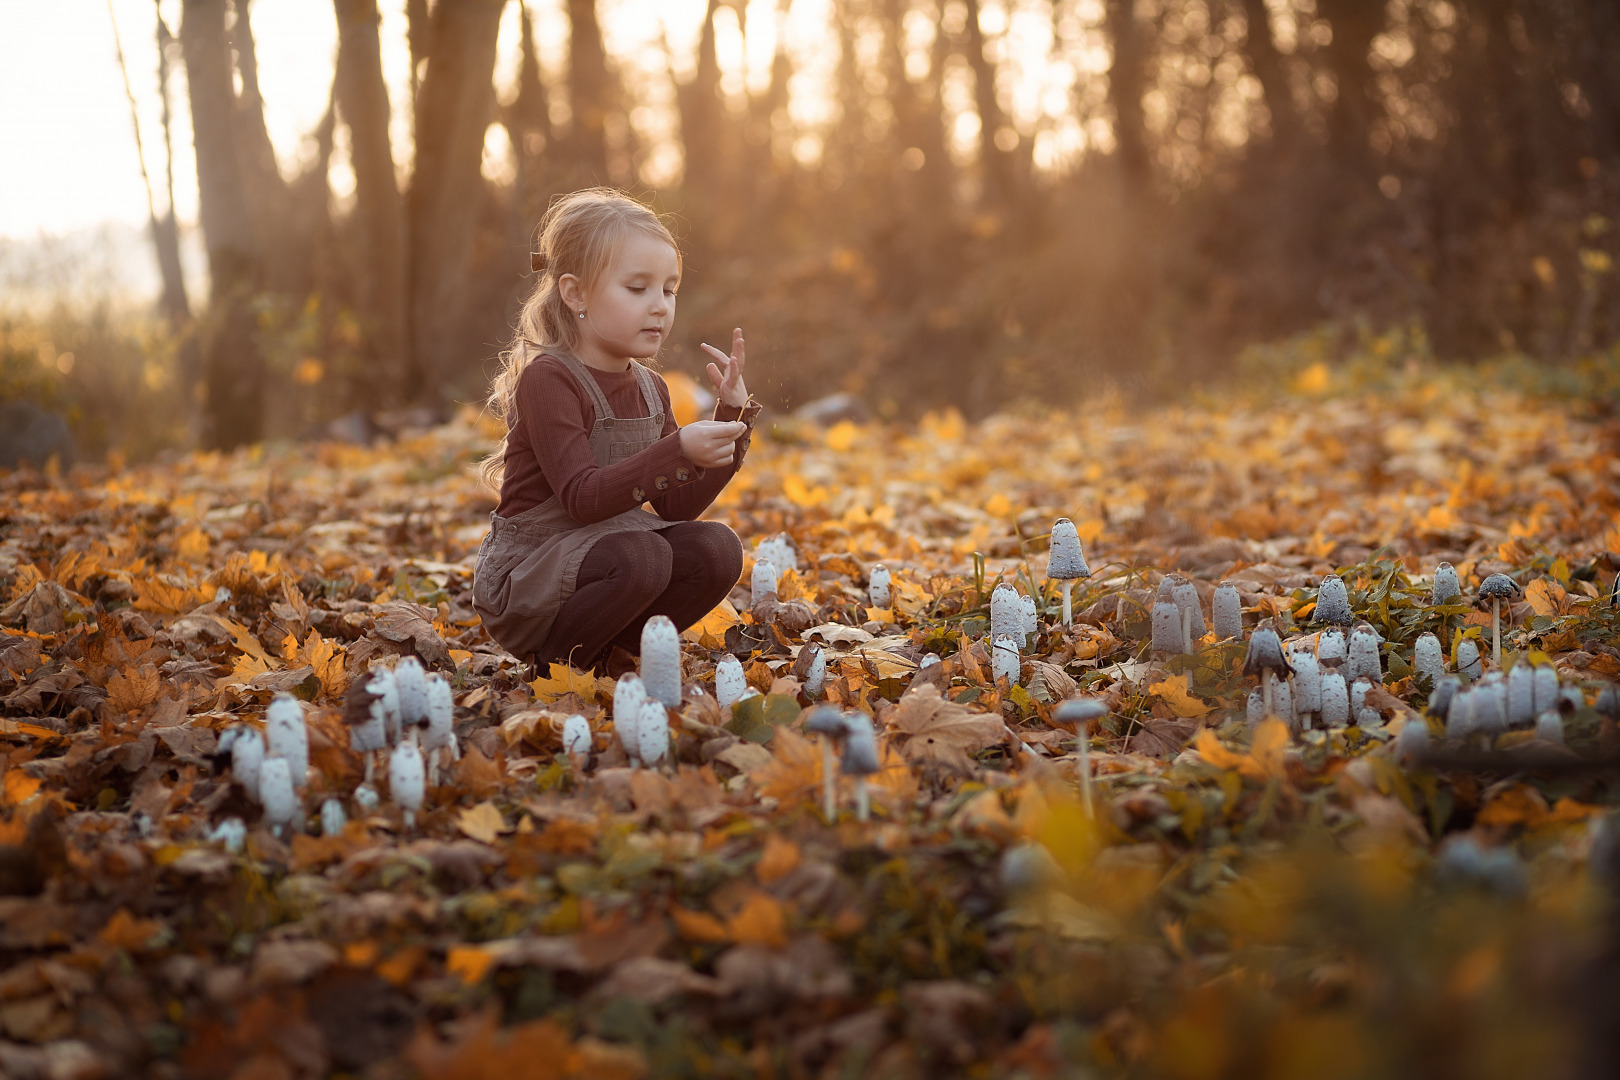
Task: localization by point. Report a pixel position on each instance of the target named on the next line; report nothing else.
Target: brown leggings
(628, 577)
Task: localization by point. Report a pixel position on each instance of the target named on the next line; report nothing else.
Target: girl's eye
(637, 288)
(670, 293)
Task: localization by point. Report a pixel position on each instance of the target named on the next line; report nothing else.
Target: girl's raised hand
(728, 381)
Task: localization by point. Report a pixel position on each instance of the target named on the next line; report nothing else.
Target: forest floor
(1240, 898)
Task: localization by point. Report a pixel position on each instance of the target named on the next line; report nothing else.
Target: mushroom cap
(762, 581)
(1167, 626)
(729, 681)
(333, 819)
(276, 792)
(661, 660)
(652, 731)
(407, 776)
(1445, 587)
(1079, 710)
(815, 678)
(826, 720)
(1498, 587)
(1307, 680)
(1167, 588)
(247, 755)
(877, 586)
(1265, 653)
(1227, 609)
(1608, 702)
(628, 694)
(1066, 561)
(860, 757)
(288, 736)
(1333, 601)
(1444, 693)
(410, 683)
(1335, 700)
(1468, 657)
(576, 735)
(1006, 612)
(779, 550)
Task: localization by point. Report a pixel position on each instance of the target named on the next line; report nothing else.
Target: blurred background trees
(1211, 174)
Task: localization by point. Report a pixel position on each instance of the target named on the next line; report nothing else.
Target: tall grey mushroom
(652, 732)
(762, 580)
(828, 722)
(729, 682)
(1167, 635)
(576, 737)
(1006, 660)
(276, 793)
(1335, 700)
(815, 672)
(1265, 659)
(1333, 602)
(1545, 688)
(1032, 617)
(1497, 587)
(371, 709)
(407, 778)
(628, 694)
(1081, 712)
(288, 736)
(1413, 741)
(333, 819)
(1307, 683)
(1227, 610)
(1445, 691)
(247, 758)
(779, 551)
(860, 760)
(1364, 660)
(438, 730)
(661, 660)
(1332, 647)
(1521, 694)
(1185, 594)
(1067, 563)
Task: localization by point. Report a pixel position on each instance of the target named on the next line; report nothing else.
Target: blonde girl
(574, 564)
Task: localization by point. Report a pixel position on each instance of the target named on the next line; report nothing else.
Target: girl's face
(630, 311)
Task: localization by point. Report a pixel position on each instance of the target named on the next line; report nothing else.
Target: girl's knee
(715, 551)
(641, 562)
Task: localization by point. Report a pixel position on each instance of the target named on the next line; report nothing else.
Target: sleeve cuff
(746, 414)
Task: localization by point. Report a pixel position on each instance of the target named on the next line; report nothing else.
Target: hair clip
(537, 261)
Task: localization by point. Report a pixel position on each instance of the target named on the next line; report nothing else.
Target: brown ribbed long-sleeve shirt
(547, 451)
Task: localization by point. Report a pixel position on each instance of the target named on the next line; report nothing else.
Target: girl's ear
(572, 291)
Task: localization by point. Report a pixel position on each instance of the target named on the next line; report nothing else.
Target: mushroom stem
(1496, 631)
(1187, 641)
(1267, 679)
(829, 788)
(863, 805)
(1068, 608)
(1085, 766)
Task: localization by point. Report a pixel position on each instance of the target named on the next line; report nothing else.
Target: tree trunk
(454, 108)
(699, 103)
(528, 124)
(1001, 179)
(379, 211)
(285, 251)
(1127, 81)
(233, 367)
(1355, 23)
(590, 93)
(1268, 67)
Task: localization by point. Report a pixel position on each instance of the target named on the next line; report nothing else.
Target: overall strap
(649, 390)
(599, 400)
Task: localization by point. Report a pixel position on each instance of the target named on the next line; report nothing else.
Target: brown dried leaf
(937, 729)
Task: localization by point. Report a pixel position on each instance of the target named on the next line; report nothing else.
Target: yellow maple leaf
(1174, 693)
(134, 690)
(564, 680)
(710, 631)
(1547, 598)
(482, 822)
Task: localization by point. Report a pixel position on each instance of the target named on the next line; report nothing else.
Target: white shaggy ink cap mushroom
(1332, 646)
(1307, 681)
(1227, 609)
(407, 779)
(1445, 588)
(729, 681)
(1490, 704)
(379, 725)
(628, 694)
(576, 736)
(1333, 602)
(860, 757)
(1282, 702)
(1413, 741)
(815, 679)
(779, 551)
(441, 715)
(247, 755)
(877, 586)
(1265, 653)
(1544, 680)
(1032, 617)
(232, 832)
(1335, 700)
(1364, 660)
(1185, 594)
(410, 683)
(1006, 662)
(661, 660)
(1429, 659)
(1550, 727)
(1006, 613)
(276, 792)
(1254, 708)
(1167, 627)
(652, 732)
(762, 582)
(366, 798)
(1364, 715)
(1445, 691)
(333, 819)
(1521, 694)
(1468, 660)
(289, 736)
(1067, 561)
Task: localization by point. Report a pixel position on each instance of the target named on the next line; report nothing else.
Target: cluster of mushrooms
(403, 712)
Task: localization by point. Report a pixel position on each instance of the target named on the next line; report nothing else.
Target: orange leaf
(761, 921)
(565, 680)
(469, 962)
(1547, 598)
(126, 693)
(699, 926)
(125, 931)
(399, 967)
(20, 787)
(780, 858)
(1174, 694)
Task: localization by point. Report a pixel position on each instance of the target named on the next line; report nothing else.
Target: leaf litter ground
(1241, 898)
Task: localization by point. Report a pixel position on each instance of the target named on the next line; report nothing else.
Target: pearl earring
(582, 313)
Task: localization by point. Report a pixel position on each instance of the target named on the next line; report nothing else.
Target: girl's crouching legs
(706, 563)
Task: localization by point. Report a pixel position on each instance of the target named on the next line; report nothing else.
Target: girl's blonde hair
(580, 234)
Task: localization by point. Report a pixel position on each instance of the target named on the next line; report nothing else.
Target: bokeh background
(239, 221)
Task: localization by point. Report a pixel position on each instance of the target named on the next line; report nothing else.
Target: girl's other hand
(710, 444)
(728, 382)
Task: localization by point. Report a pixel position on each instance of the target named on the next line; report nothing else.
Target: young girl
(573, 565)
